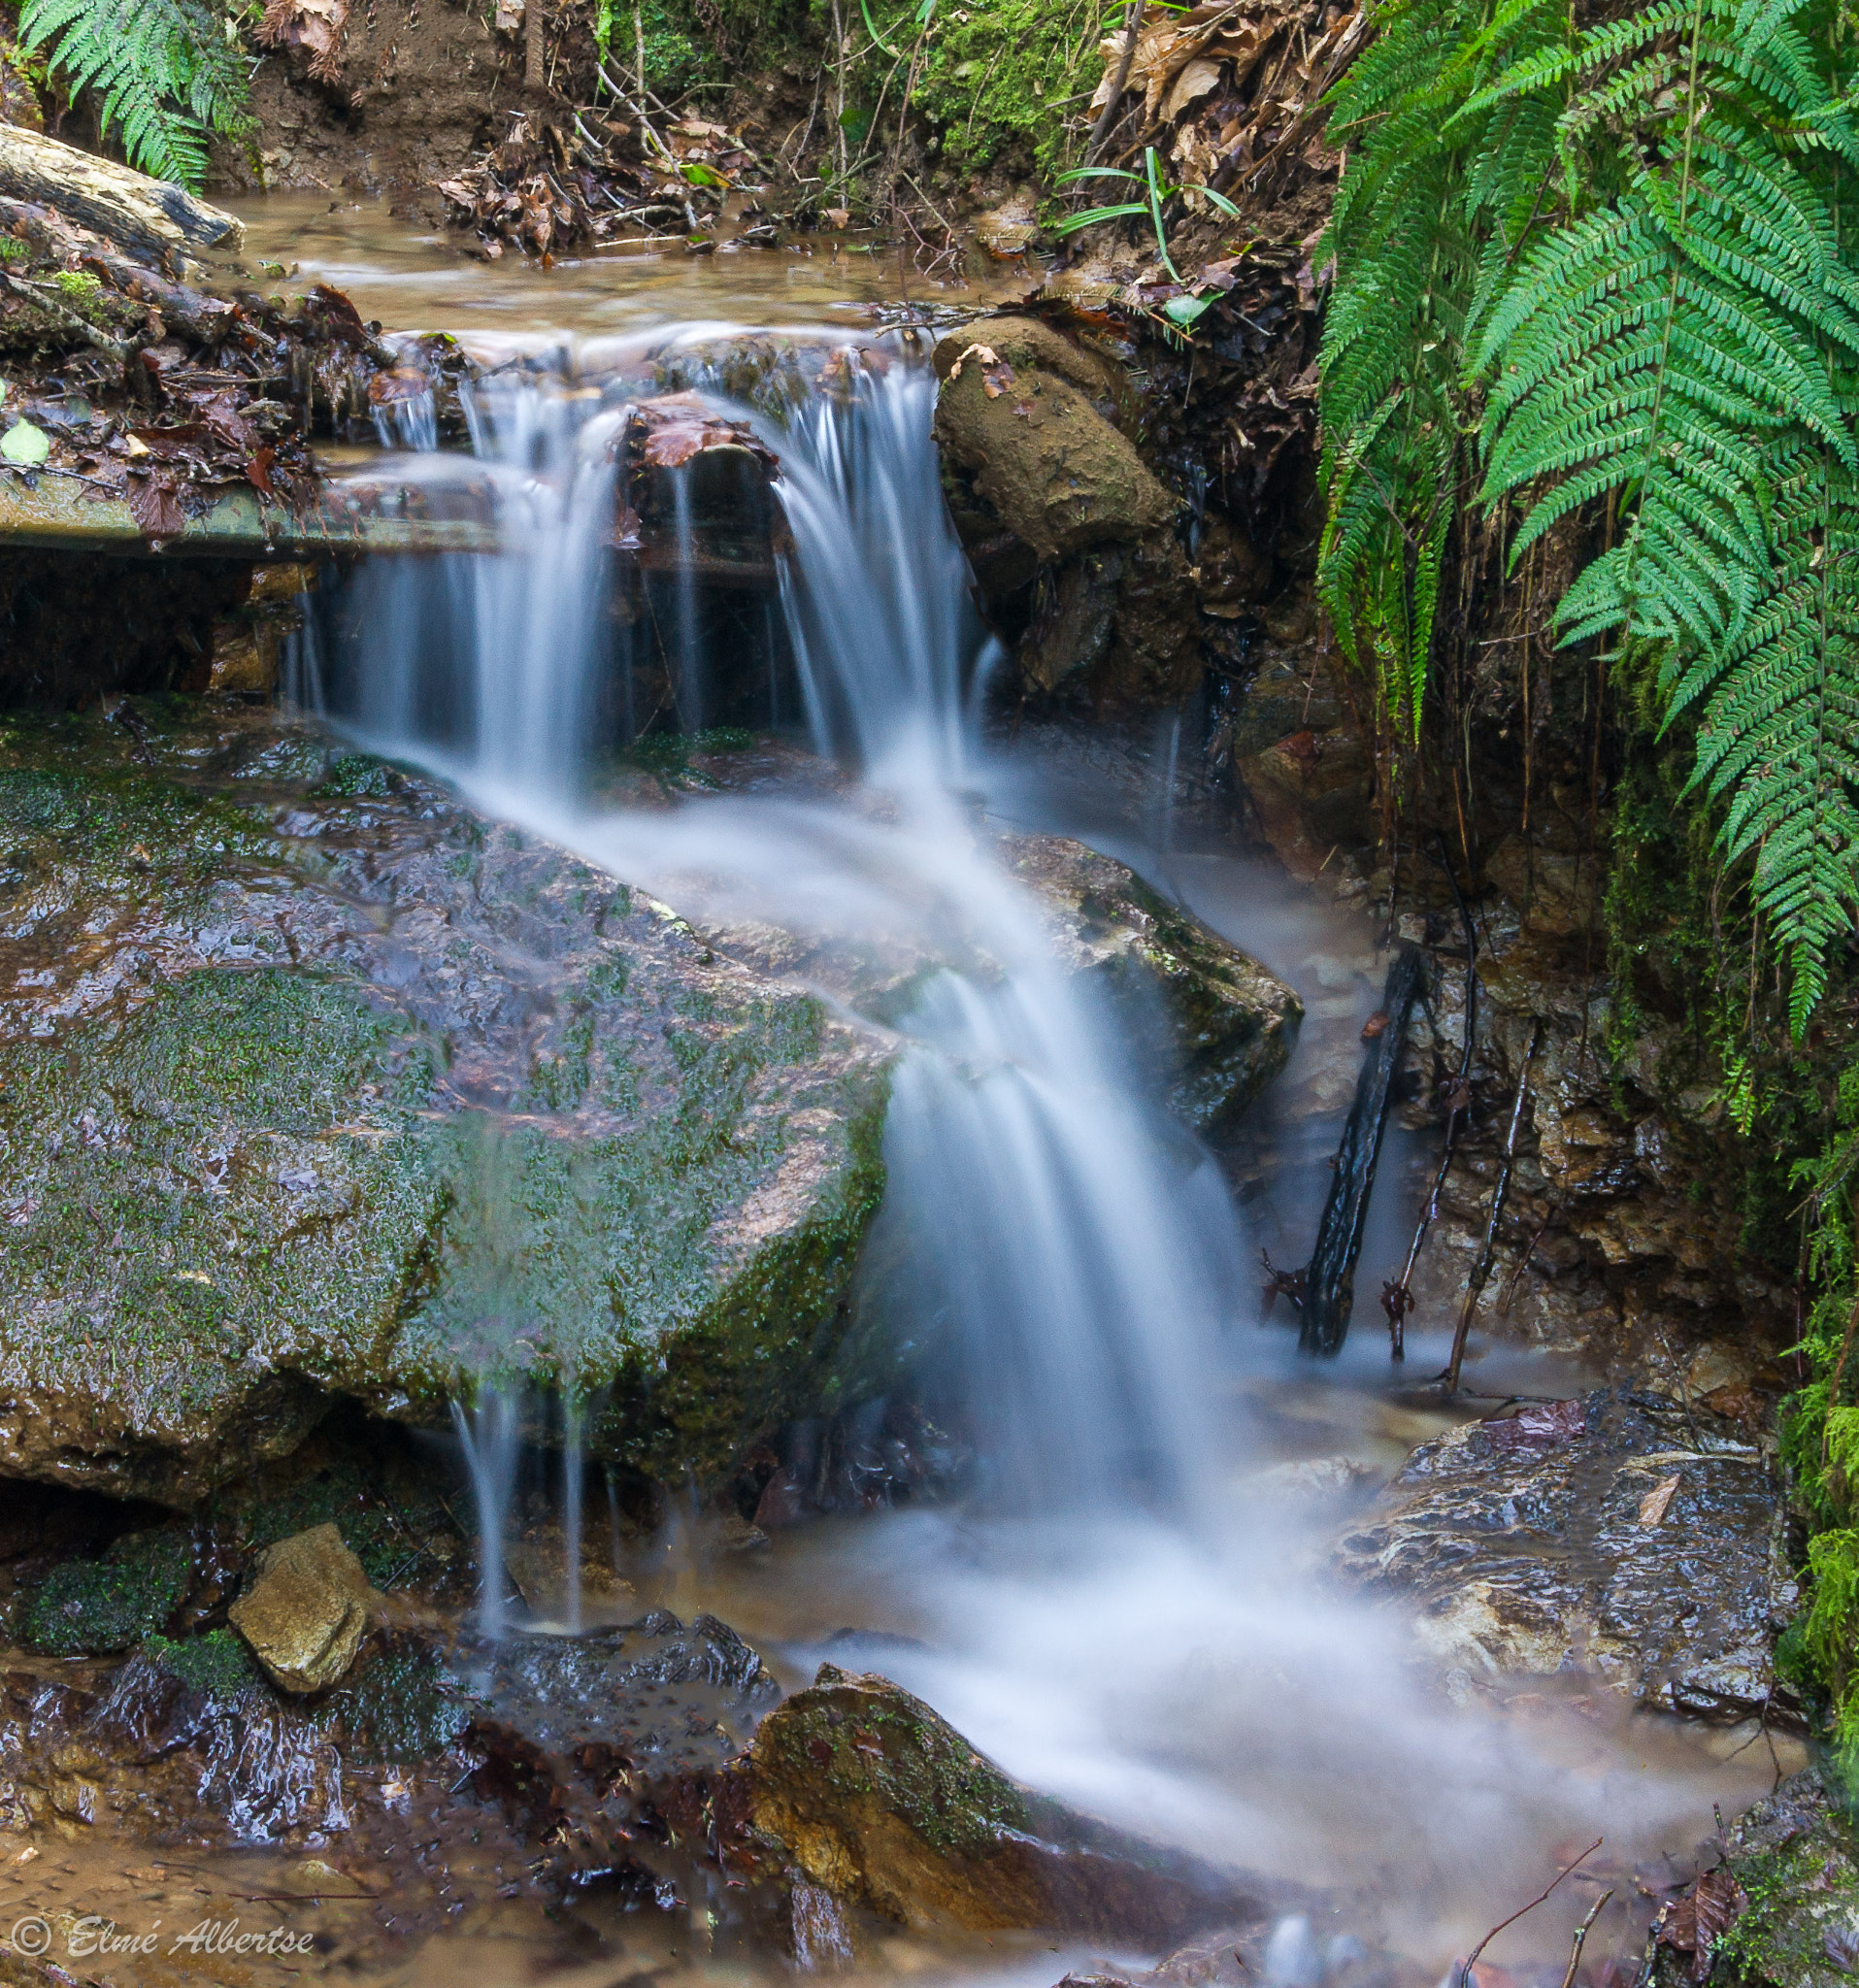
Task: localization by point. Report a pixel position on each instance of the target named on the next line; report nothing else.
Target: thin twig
(1483, 1269)
(1106, 116)
(1582, 1937)
(1472, 1959)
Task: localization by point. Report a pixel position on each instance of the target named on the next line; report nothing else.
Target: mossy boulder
(861, 1790)
(320, 1085)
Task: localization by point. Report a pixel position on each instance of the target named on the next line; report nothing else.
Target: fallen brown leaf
(1696, 1922)
(1657, 1502)
(155, 504)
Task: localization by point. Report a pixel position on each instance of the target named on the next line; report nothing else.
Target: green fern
(1612, 263)
(169, 74)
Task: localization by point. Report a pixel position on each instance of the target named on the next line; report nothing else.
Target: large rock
(858, 1791)
(1617, 1534)
(1016, 414)
(320, 1084)
(306, 1611)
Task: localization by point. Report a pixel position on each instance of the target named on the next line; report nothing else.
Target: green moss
(400, 1706)
(142, 1153)
(669, 754)
(95, 1607)
(393, 1536)
(217, 1664)
(355, 776)
(994, 77)
(1799, 1891)
(79, 286)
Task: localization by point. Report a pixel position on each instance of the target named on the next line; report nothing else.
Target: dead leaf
(1696, 1922)
(259, 470)
(154, 503)
(1655, 1504)
(316, 26)
(985, 353)
(1376, 1025)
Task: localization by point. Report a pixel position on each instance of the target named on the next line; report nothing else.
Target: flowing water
(1119, 1610)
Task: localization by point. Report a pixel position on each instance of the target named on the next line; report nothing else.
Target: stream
(1124, 1606)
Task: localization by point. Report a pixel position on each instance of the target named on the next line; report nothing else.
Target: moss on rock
(218, 1666)
(878, 1801)
(320, 1086)
(95, 1607)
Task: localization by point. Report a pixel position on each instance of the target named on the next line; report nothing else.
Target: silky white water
(1115, 1615)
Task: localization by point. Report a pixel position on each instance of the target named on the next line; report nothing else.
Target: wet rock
(1016, 415)
(1615, 1536)
(320, 1084)
(1207, 1024)
(306, 1611)
(881, 1805)
(1234, 1022)
(1312, 793)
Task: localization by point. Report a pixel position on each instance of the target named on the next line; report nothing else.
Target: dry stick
(1106, 116)
(645, 132)
(1472, 1959)
(1483, 1269)
(1582, 1937)
(838, 114)
(1399, 1297)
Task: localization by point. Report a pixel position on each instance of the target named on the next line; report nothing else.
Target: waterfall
(490, 1435)
(1075, 1257)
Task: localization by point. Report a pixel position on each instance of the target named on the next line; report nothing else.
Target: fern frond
(168, 73)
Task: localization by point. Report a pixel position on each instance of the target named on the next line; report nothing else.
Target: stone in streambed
(307, 1611)
(1620, 1534)
(1228, 1024)
(860, 1791)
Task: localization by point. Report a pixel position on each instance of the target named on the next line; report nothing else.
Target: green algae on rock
(320, 1085)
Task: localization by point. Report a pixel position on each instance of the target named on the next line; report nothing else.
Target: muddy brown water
(1210, 1690)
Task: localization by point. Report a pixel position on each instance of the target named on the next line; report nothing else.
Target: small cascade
(574, 1474)
(890, 653)
(410, 423)
(1075, 1256)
